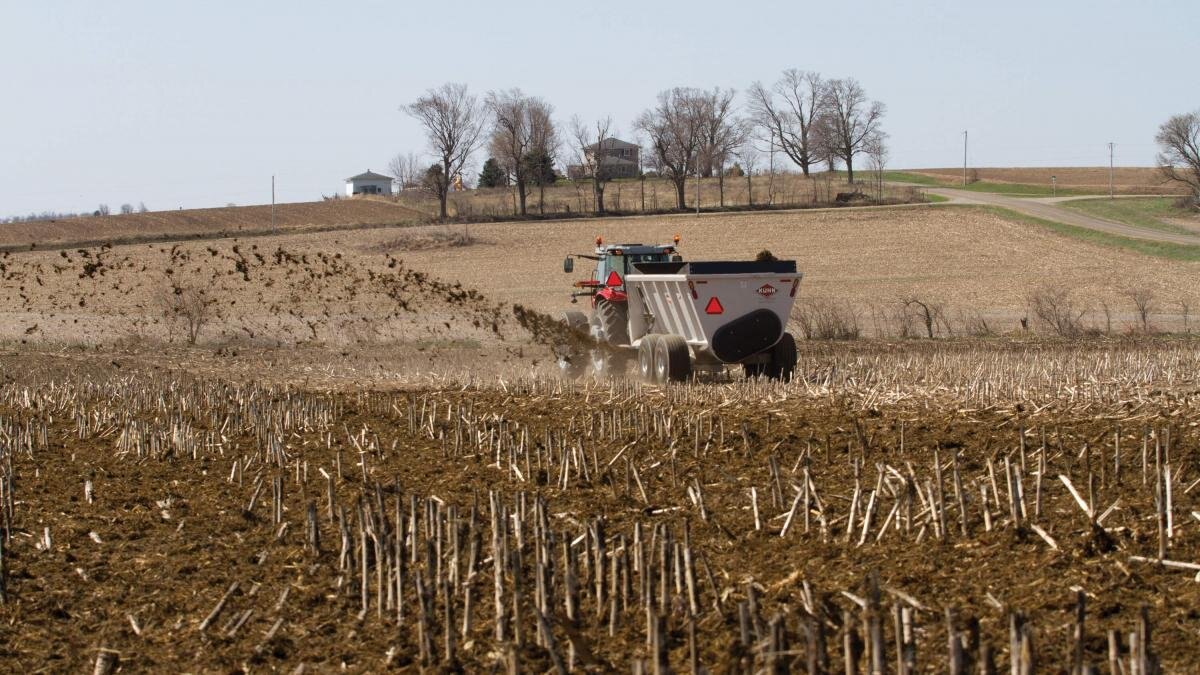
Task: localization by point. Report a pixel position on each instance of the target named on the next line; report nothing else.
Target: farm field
(367, 461)
(228, 221)
(1070, 180)
(1000, 494)
(444, 285)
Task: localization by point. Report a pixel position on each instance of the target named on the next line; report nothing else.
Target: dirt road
(1049, 209)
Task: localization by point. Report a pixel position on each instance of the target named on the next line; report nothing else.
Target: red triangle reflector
(714, 306)
(614, 279)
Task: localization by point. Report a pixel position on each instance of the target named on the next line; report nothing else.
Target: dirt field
(195, 523)
(206, 223)
(366, 463)
(1126, 180)
(351, 288)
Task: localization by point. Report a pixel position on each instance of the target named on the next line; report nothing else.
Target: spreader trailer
(680, 317)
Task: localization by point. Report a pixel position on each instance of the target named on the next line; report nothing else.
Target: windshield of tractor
(622, 264)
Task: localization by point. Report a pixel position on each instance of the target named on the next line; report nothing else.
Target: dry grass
(657, 195)
(1126, 180)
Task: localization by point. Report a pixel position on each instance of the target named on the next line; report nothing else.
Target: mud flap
(747, 335)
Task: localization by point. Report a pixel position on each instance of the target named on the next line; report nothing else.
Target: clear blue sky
(199, 103)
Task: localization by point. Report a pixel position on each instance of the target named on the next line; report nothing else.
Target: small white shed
(369, 183)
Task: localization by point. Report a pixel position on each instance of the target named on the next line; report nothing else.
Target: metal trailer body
(725, 311)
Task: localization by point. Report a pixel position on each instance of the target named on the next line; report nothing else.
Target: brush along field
(1126, 180)
(365, 463)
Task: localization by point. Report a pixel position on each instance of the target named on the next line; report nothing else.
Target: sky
(198, 104)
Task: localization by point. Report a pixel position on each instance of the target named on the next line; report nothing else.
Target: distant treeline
(101, 210)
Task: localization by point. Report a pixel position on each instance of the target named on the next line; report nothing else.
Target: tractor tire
(672, 361)
(612, 319)
(783, 359)
(577, 321)
(646, 349)
(608, 363)
(572, 359)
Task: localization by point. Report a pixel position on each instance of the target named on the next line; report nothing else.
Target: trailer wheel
(783, 359)
(753, 370)
(672, 361)
(646, 350)
(613, 320)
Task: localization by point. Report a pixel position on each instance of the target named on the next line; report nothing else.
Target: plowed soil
(187, 511)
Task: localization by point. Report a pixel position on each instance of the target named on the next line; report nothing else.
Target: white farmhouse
(369, 183)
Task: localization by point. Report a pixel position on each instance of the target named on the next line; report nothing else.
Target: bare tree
(748, 155)
(453, 123)
(521, 125)
(788, 110)
(591, 155)
(406, 168)
(1055, 307)
(929, 313)
(191, 308)
(142, 207)
(877, 157)
(721, 134)
(126, 209)
(1179, 151)
(1143, 302)
(674, 129)
(848, 120)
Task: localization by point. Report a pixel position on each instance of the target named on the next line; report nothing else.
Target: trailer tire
(783, 359)
(613, 321)
(672, 360)
(753, 370)
(646, 350)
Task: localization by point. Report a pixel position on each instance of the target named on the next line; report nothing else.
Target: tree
(789, 111)
(453, 123)
(877, 157)
(126, 208)
(521, 124)
(591, 155)
(407, 170)
(674, 127)
(492, 175)
(1179, 151)
(721, 133)
(539, 170)
(434, 180)
(142, 207)
(847, 121)
(748, 155)
(102, 210)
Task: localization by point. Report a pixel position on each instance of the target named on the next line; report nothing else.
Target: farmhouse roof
(369, 175)
(612, 144)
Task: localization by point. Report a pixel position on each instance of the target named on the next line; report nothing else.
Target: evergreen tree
(539, 166)
(492, 175)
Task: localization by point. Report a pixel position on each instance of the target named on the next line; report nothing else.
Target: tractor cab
(613, 263)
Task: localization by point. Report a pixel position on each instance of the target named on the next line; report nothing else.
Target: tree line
(688, 132)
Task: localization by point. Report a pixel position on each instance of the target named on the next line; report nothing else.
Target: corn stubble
(908, 509)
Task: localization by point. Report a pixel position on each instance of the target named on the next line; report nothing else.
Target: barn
(369, 183)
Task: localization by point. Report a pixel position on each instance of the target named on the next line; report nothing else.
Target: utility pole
(272, 202)
(964, 158)
(1110, 169)
(697, 186)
